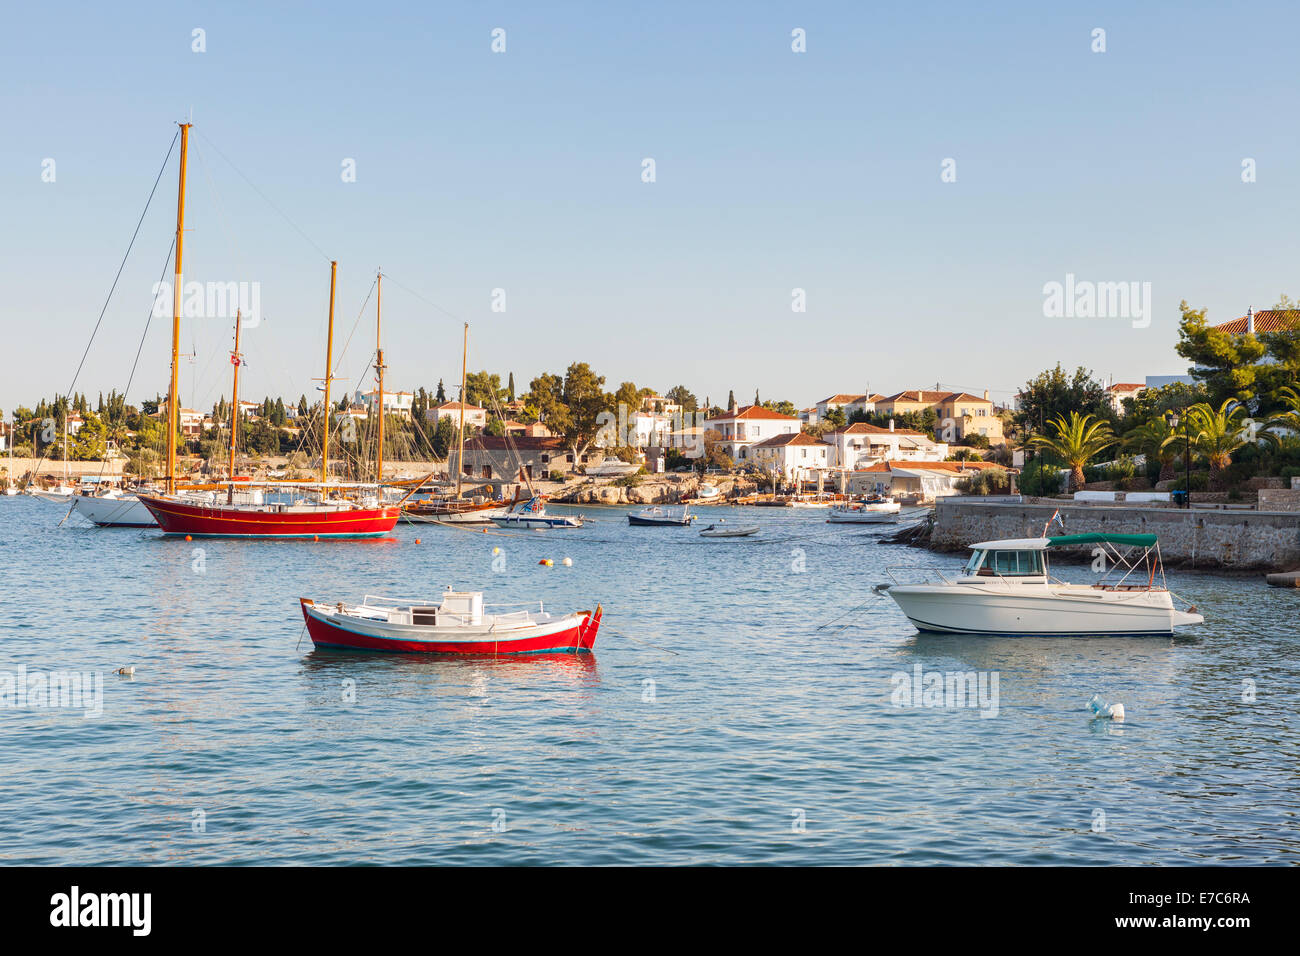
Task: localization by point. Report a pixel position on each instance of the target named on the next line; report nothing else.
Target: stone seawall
(1229, 540)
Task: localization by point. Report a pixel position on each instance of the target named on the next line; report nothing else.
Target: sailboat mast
(236, 358)
(329, 360)
(173, 398)
(460, 439)
(379, 368)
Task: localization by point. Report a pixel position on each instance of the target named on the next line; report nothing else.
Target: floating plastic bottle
(1098, 705)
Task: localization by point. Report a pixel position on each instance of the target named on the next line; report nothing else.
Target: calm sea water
(716, 723)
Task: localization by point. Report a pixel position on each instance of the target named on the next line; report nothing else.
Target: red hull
(577, 639)
(227, 522)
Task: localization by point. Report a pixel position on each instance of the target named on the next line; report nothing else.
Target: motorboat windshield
(992, 562)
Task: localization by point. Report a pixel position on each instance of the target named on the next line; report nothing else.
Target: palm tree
(1153, 439)
(1289, 420)
(1217, 434)
(1077, 442)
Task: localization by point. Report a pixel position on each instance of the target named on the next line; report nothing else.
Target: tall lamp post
(1172, 417)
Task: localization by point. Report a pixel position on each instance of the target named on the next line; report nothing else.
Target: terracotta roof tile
(752, 412)
(1266, 320)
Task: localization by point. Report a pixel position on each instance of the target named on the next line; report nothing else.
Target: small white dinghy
(730, 531)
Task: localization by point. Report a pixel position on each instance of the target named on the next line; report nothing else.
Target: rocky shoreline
(648, 490)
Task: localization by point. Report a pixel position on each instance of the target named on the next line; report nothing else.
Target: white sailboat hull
(125, 511)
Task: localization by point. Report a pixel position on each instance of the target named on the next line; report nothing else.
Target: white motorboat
(708, 493)
(613, 469)
(532, 515)
(870, 511)
(1006, 588)
(723, 530)
(658, 515)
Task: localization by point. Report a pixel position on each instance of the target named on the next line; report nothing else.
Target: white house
(651, 428)
(1116, 394)
(395, 403)
(474, 416)
(747, 426)
(793, 456)
(849, 403)
(861, 444)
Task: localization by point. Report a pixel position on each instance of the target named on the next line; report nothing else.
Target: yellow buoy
(546, 561)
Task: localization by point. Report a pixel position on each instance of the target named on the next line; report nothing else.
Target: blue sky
(522, 171)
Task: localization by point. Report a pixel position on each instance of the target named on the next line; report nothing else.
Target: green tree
(585, 399)
(89, 442)
(483, 389)
(683, 396)
(1052, 395)
(1077, 440)
(629, 396)
(781, 408)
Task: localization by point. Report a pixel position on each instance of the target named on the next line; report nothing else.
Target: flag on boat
(1055, 518)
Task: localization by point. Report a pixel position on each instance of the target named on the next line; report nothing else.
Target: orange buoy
(188, 538)
(315, 537)
(546, 561)
(417, 540)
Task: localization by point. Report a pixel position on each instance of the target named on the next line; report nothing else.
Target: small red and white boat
(456, 624)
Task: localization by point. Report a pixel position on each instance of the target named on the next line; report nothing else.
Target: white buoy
(126, 671)
(567, 562)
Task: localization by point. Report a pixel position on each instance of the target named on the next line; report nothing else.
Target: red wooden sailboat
(300, 519)
(327, 513)
(455, 624)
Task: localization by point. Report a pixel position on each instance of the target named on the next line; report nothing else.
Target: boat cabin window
(1006, 564)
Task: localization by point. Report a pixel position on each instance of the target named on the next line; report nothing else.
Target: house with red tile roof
(849, 403)
(1117, 392)
(792, 455)
(859, 444)
(959, 413)
(748, 425)
(474, 416)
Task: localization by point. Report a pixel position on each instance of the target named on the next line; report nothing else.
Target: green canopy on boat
(1137, 540)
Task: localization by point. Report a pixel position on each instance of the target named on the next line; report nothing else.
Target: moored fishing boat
(532, 514)
(456, 623)
(1005, 588)
(661, 515)
(874, 510)
(723, 530)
